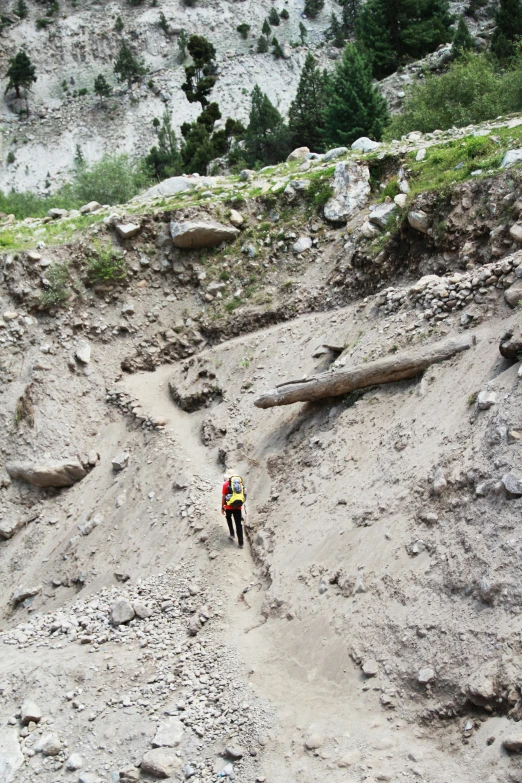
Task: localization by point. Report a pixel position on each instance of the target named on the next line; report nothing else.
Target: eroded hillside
(370, 628)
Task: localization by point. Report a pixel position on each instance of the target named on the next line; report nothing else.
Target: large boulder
(364, 144)
(48, 474)
(510, 158)
(169, 734)
(159, 763)
(382, 213)
(513, 294)
(175, 185)
(419, 220)
(351, 186)
(510, 346)
(299, 154)
(337, 152)
(122, 612)
(193, 234)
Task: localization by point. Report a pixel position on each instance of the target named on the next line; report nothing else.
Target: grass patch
(56, 292)
(106, 266)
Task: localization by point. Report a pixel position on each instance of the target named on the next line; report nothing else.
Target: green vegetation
(164, 159)
(262, 45)
(20, 9)
(335, 32)
(319, 192)
(303, 33)
(273, 18)
(394, 32)
(56, 292)
(106, 266)
(243, 30)
(351, 10)
(462, 40)
(162, 21)
(128, 67)
(21, 73)
(313, 8)
(200, 77)
(183, 40)
(102, 88)
(474, 89)
(118, 25)
(354, 107)
(306, 113)
(267, 138)
(508, 30)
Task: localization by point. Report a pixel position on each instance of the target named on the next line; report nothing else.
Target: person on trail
(233, 497)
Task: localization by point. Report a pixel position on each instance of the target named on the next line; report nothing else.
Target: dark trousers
(235, 514)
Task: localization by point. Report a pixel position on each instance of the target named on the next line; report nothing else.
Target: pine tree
(354, 107)
(267, 139)
(118, 24)
(200, 76)
(313, 8)
(183, 40)
(21, 73)
(262, 44)
(273, 17)
(266, 28)
(284, 14)
(277, 50)
(508, 20)
(243, 30)
(164, 159)
(163, 22)
(128, 67)
(335, 32)
(21, 10)
(102, 86)
(393, 30)
(303, 32)
(351, 10)
(306, 114)
(463, 40)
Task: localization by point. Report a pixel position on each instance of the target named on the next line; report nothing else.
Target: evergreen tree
(200, 76)
(284, 14)
(313, 8)
(102, 86)
(273, 17)
(164, 159)
(351, 10)
(277, 50)
(267, 139)
(354, 107)
(262, 44)
(303, 32)
(392, 31)
(463, 40)
(118, 24)
(508, 20)
(21, 73)
(128, 67)
(266, 28)
(243, 30)
(306, 114)
(183, 40)
(21, 10)
(335, 32)
(163, 22)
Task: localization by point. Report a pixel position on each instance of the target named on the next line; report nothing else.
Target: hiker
(233, 497)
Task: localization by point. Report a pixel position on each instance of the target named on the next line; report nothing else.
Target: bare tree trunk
(393, 368)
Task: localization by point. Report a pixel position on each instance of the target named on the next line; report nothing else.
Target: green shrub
(319, 192)
(392, 189)
(106, 266)
(56, 292)
(11, 157)
(474, 89)
(243, 30)
(112, 180)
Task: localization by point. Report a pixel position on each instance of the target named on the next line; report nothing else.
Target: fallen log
(389, 370)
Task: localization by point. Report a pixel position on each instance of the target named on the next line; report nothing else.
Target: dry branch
(393, 368)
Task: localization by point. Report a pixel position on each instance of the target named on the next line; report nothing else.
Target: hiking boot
(231, 536)
(240, 545)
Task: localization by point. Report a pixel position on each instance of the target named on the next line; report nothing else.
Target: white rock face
(11, 757)
(351, 187)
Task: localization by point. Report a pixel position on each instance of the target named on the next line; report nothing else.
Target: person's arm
(222, 503)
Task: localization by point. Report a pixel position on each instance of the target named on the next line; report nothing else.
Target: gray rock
(8, 527)
(173, 186)
(351, 189)
(513, 294)
(314, 742)
(92, 206)
(49, 745)
(120, 461)
(194, 626)
(482, 692)
(513, 743)
(11, 756)
(364, 144)
(335, 153)
(51, 474)
(510, 158)
(486, 399)
(370, 667)
(425, 675)
(122, 612)
(159, 763)
(83, 352)
(302, 244)
(246, 175)
(56, 213)
(381, 214)
(419, 220)
(516, 232)
(129, 774)
(236, 218)
(234, 752)
(513, 485)
(91, 777)
(439, 482)
(23, 593)
(31, 712)
(194, 234)
(510, 345)
(299, 154)
(141, 609)
(421, 154)
(401, 199)
(169, 734)
(74, 762)
(127, 230)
